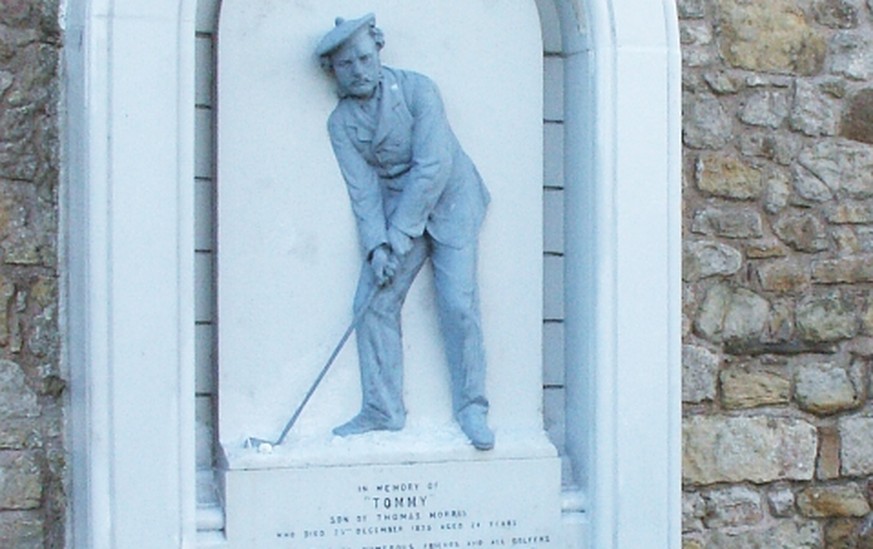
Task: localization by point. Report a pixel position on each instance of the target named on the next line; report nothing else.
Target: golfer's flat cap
(344, 29)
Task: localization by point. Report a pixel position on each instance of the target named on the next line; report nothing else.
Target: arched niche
(128, 210)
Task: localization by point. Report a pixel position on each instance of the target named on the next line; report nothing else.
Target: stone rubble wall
(777, 273)
(33, 471)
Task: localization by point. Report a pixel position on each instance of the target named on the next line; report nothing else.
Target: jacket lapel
(392, 100)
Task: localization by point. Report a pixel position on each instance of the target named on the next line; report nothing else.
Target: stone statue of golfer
(416, 196)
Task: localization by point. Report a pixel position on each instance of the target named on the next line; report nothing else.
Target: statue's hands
(399, 241)
(384, 265)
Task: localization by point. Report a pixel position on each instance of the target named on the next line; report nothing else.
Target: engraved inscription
(409, 515)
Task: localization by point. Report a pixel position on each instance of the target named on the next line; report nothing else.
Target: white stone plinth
(474, 499)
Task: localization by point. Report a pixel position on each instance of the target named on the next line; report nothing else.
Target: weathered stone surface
(754, 449)
(705, 259)
(856, 451)
(851, 55)
(722, 83)
(690, 9)
(867, 317)
(728, 222)
(765, 108)
(17, 399)
(828, 317)
(20, 481)
(837, 14)
(786, 534)
(783, 275)
(21, 530)
(850, 270)
(705, 124)
(842, 534)
(765, 249)
(693, 511)
(733, 506)
(695, 33)
(699, 374)
(823, 388)
(692, 543)
(813, 112)
(833, 501)
(802, 231)
(772, 36)
(745, 388)
(779, 147)
(846, 167)
(850, 212)
(809, 187)
(857, 120)
(777, 191)
(781, 502)
(828, 465)
(728, 177)
(732, 314)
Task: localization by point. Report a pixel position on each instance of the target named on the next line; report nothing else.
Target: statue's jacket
(404, 165)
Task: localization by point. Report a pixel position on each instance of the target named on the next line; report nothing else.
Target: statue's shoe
(477, 430)
(364, 423)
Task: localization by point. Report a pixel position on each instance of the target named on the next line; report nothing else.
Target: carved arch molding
(128, 230)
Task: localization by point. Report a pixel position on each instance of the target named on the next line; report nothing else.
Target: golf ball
(265, 448)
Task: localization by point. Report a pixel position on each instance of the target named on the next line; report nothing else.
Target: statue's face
(356, 65)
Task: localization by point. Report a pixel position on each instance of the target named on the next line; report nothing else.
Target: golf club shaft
(357, 319)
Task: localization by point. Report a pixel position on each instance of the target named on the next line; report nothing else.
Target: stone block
(857, 121)
(780, 147)
(21, 530)
(747, 449)
(699, 374)
(828, 465)
(783, 275)
(693, 511)
(837, 14)
(850, 212)
(825, 389)
(728, 177)
(849, 270)
(705, 123)
(744, 388)
(20, 481)
(856, 451)
(733, 506)
(728, 314)
(702, 259)
(781, 502)
(773, 36)
(809, 186)
(825, 318)
(802, 231)
(844, 166)
(766, 108)
(813, 112)
(833, 501)
(765, 249)
(728, 222)
(850, 55)
(842, 534)
(784, 534)
(777, 191)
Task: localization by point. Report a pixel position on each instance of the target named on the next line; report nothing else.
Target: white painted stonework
(417, 505)
(128, 215)
(288, 256)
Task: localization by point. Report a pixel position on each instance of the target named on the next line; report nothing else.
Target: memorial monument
(290, 247)
(416, 195)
